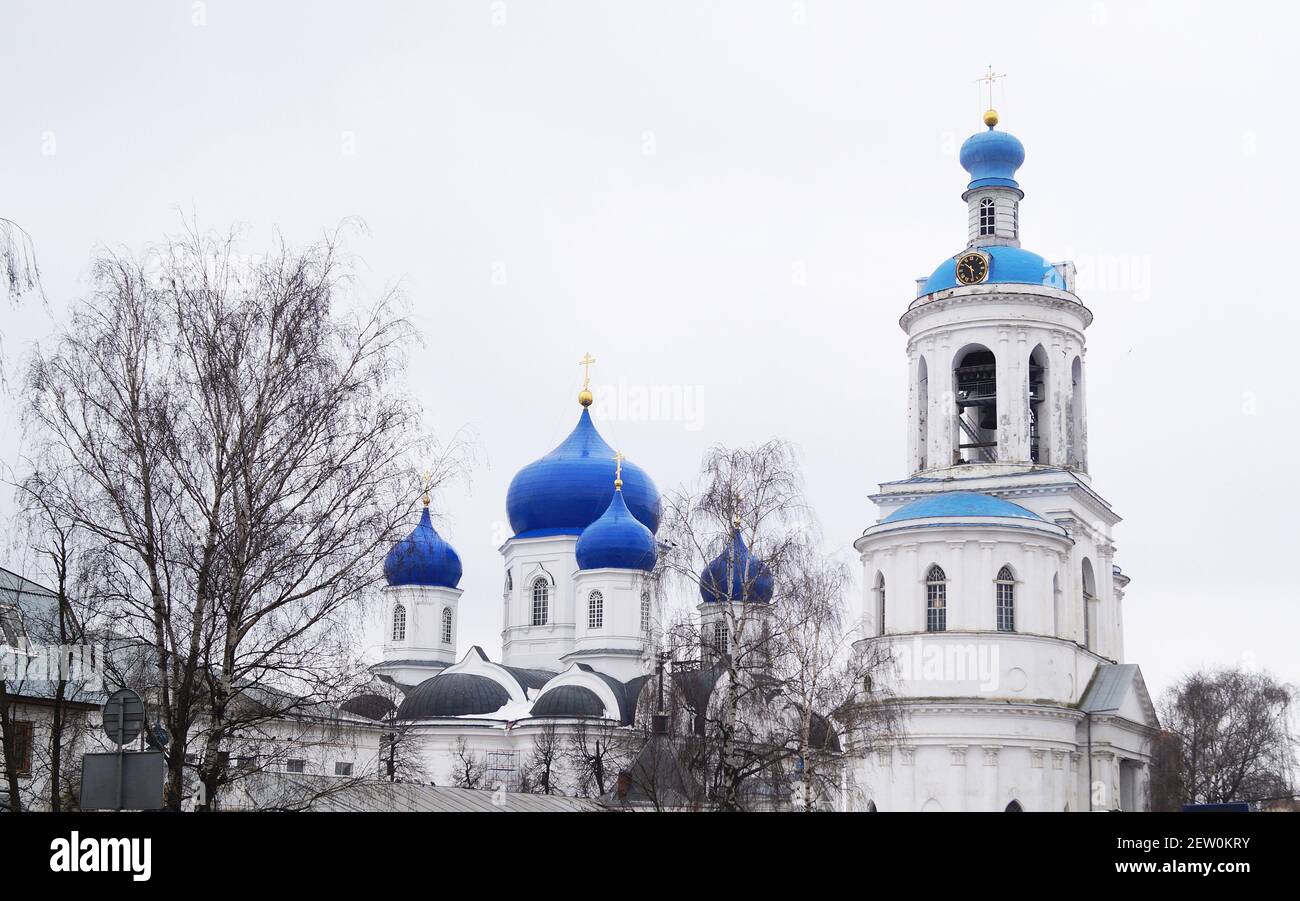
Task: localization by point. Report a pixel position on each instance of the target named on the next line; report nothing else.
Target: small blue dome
(1008, 265)
(960, 503)
(569, 488)
(992, 158)
(423, 558)
(617, 540)
(751, 580)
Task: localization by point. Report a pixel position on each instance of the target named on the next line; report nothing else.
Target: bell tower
(989, 573)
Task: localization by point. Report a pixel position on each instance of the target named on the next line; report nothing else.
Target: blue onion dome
(617, 540)
(960, 503)
(1007, 265)
(423, 558)
(751, 580)
(569, 488)
(992, 158)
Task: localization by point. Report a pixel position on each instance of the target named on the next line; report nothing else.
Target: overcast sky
(731, 201)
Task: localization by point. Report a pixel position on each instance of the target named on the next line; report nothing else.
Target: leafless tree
(768, 676)
(1231, 737)
(468, 768)
(242, 452)
(540, 772)
(596, 753)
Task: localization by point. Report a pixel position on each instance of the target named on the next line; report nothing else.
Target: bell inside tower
(976, 388)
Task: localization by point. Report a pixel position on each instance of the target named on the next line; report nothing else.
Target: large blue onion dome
(423, 558)
(960, 503)
(569, 488)
(750, 579)
(617, 540)
(992, 158)
(1007, 265)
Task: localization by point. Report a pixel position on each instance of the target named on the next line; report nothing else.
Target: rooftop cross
(618, 470)
(585, 363)
(988, 78)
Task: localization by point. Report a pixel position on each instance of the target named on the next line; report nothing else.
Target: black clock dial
(971, 269)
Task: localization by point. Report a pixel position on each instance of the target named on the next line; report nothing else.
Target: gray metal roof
(1106, 690)
(453, 694)
(404, 796)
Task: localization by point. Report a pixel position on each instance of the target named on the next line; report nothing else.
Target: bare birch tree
(1230, 736)
(243, 450)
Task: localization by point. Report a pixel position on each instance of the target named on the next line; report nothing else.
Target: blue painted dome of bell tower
(423, 558)
(992, 158)
(568, 489)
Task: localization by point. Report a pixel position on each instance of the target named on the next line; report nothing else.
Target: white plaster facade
(1002, 711)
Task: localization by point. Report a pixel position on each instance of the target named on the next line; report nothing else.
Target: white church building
(990, 572)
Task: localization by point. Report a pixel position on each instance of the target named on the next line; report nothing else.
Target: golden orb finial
(428, 478)
(990, 117)
(585, 398)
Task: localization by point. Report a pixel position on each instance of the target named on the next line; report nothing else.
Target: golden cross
(585, 363)
(618, 467)
(988, 78)
(428, 478)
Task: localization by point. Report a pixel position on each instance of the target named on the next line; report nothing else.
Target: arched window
(871, 807)
(1076, 454)
(986, 216)
(721, 638)
(595, 610)
(922, 415)
(510, 582)
(645, 611)
(1056, 605)
(880, 603)
(936, 600)
(1039, 427)
(1089, 607)
(446, 625)
(1006, 595)
(1014, 807)
(399, 623)
(541, 601)
(975, 392)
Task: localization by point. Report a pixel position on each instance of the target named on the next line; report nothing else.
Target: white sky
(731, 199)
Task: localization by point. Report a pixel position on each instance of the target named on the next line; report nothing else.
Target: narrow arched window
(880, 603)
(986, 216)
(1014, 807)
(510, 582)
(541, 601)
(1006, 595)
(399, 623)
(1089, 596)
(446, 625)
(595, 610)
(936, 600)
(721, 638)
(645, 611)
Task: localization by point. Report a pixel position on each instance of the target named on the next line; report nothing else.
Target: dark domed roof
(569, 700)
(369, 705)
(453, 694)
(750, 579)
(569, 488)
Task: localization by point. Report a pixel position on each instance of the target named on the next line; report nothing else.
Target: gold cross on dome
(989, 78)
(428, 481)
(585, 363)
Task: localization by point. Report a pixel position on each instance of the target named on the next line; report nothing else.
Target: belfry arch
(975, 392)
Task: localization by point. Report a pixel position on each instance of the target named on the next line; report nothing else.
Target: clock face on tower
(972, 269)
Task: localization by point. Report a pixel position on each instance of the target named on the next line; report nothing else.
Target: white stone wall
(527, 559)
